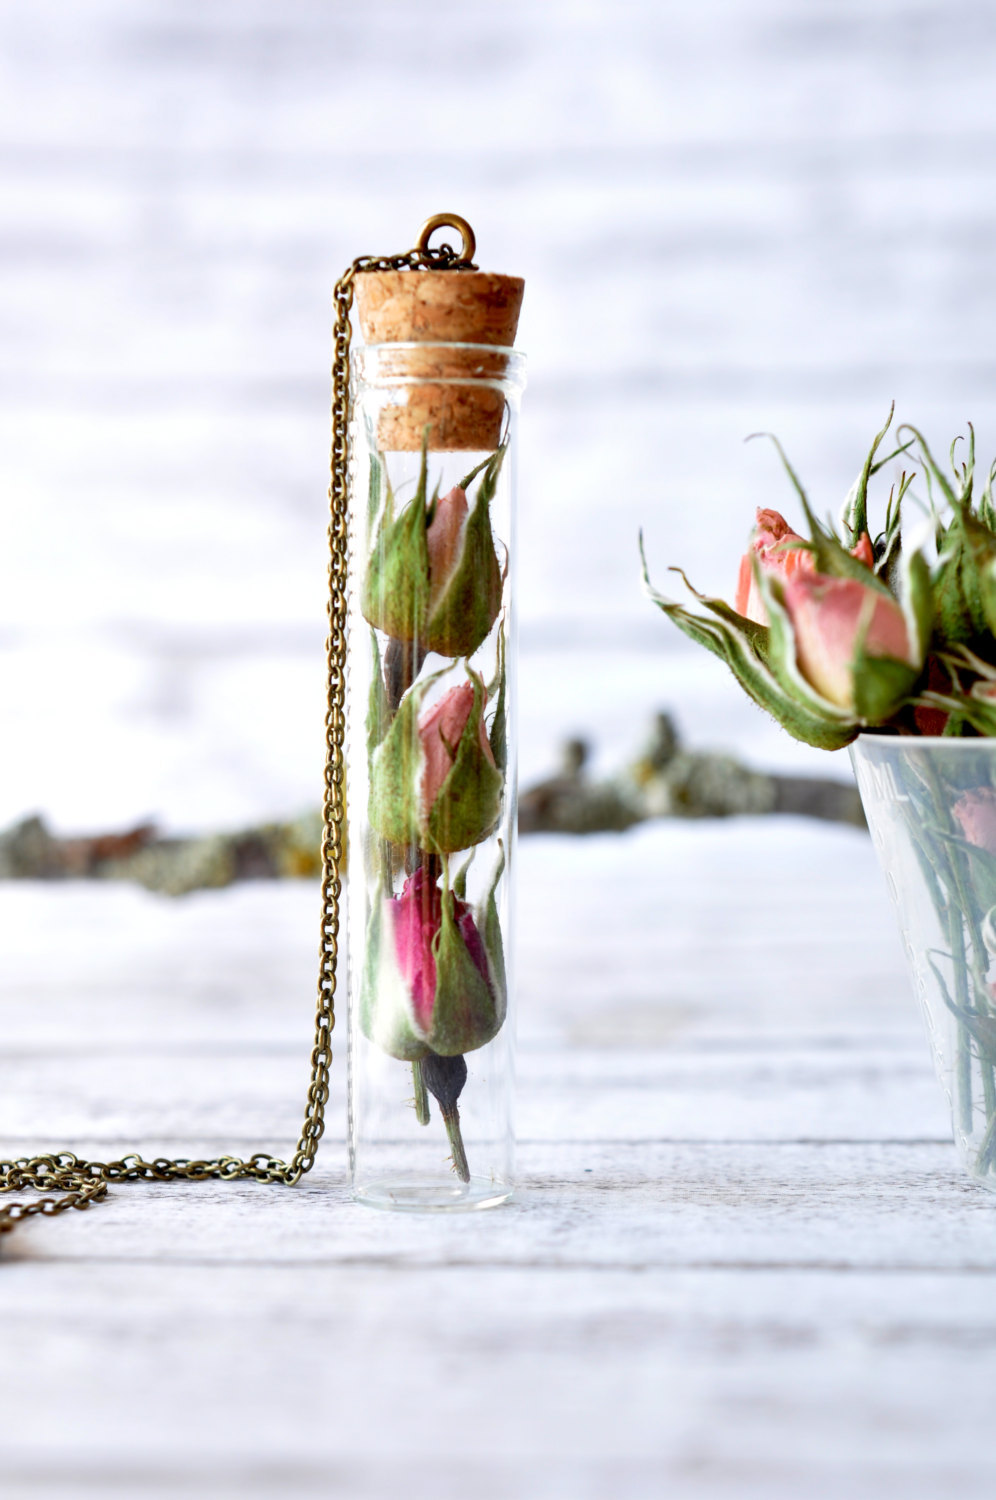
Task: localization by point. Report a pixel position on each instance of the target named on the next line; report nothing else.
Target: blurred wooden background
(744, 214)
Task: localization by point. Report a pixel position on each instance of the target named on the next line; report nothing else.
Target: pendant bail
(450, 221)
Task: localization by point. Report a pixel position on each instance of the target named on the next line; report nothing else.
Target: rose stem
(421, 1094)
(984, 1159)
(956, 937)
(451, 1119)
(445, 1077)
(402, 664)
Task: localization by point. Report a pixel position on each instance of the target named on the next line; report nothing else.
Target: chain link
(81, 1182)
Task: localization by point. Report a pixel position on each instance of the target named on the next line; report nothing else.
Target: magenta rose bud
(435, 978)
(418, 916)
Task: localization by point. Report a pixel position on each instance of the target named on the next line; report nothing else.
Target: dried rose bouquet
(857, 630)
(844, 632)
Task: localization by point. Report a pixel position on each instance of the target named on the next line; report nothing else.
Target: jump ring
(451, 221)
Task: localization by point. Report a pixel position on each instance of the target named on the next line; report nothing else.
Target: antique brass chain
(80, 1182)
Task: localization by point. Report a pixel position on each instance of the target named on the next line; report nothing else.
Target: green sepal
(931, 467)
(464, 1013)
(888, 546)
(965, 580)
(468, 479)
(378, 705)
(460, 878)
(953, 623)
(981, 544)
(967, 471)
(396, 586)
(987, 511)
(386, 1016)
(489, 926)
(498, 733)
(881, 685)
(965, 575)
(854, 516)
(465, 611)
(468, 804)
(396, 771)
(916, 598)
(376, 481)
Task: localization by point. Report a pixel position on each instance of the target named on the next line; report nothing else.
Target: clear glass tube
(431, 775)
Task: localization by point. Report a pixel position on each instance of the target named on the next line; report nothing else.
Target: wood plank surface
(743, 1261)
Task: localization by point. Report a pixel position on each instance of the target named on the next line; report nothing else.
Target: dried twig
(665, 780)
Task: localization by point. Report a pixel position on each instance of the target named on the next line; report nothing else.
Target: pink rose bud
(777, 549)
(976, 812)
(864, 551)
(831, 618)
(440, 731)
(444, 541)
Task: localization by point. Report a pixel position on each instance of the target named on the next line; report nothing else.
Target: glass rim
(406, 344)
(423, 362)
(911, 741)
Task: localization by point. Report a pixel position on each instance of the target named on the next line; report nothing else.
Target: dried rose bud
(434, 980)
(842, 628)
(433, 779)
(433, 576)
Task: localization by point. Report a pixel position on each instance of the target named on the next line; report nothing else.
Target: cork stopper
(440, 309)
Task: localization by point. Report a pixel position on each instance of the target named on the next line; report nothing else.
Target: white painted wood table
(743, 1261)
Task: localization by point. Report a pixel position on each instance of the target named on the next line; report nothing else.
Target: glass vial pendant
(431, 739)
